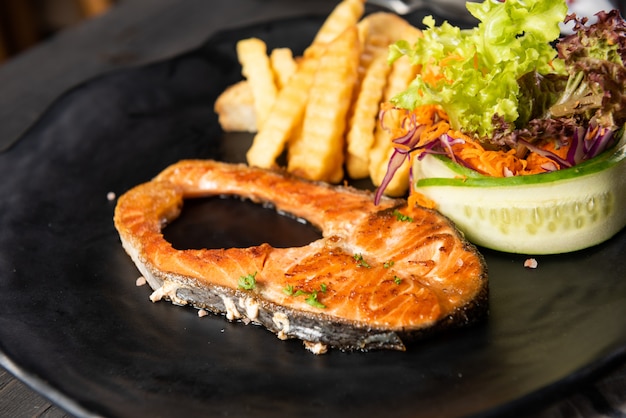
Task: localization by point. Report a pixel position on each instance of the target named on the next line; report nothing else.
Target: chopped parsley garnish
(401, 216)
(360, 261)
(311, 297)
(247, 282)
(389, 264)
(397, 280)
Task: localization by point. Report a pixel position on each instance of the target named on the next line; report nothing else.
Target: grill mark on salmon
(380, 280)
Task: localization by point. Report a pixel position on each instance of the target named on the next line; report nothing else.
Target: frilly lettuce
(473, 74)
(595, 58)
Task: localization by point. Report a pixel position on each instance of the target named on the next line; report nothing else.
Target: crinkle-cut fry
(377, 31)
(360, 137)
(318, 153)
(345, 15)
(402, 73)
(235, 108)
(283, 65)
(256, 68)
(384, 24)
(285, 115)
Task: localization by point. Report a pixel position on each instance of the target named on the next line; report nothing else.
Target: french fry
(289, 106)
(345, 15)
(256, 68)
(383, 25)
(285, 115)
(402, 73)
(324, 109)
(317, 154)
(377, 31)
(360, 137)
(283, 66)
(235, 108)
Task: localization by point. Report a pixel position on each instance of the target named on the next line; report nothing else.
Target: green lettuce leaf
(476, 71)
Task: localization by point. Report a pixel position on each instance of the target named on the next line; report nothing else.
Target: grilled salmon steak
(379, 275)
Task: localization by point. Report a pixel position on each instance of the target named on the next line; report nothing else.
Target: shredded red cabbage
(400, 154)
(408, 141)
(586, 144)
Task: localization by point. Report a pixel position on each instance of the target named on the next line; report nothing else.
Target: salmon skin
(380, 274)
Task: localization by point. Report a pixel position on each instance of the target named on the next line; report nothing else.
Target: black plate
(74, 325)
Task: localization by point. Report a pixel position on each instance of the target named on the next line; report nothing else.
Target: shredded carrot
(434, 122)
(452, 57)
(432, 77)
(418, 199)
(536, 164)
(561, 151)
(495, 163)
(430, 122)
(402, 147)
(432, 74)
(434, 131)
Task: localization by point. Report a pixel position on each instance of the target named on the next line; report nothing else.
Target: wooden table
(140, 31)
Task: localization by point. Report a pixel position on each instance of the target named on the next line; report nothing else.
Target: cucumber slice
(550, 213)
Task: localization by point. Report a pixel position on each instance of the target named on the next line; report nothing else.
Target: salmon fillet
(379, 275)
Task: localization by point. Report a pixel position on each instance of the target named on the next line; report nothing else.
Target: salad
(509, 98)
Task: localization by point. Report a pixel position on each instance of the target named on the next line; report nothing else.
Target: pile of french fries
(322, 107)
